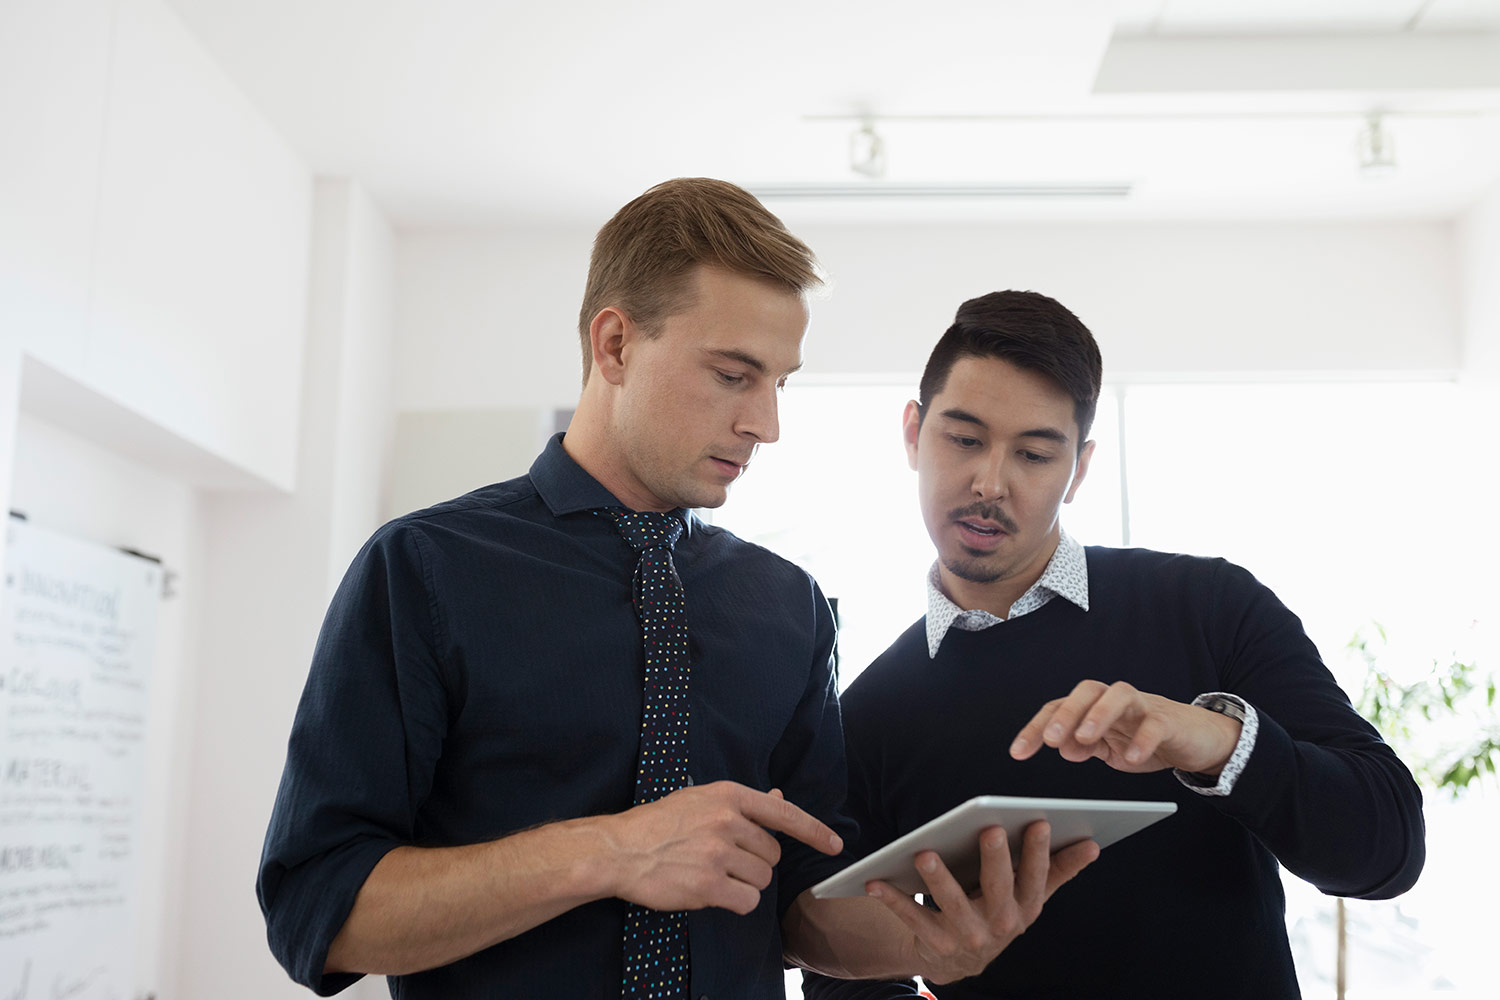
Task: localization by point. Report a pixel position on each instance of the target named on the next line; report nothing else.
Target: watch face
(1225, 707)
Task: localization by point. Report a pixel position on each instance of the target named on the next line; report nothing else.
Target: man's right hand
(705, 845)
(700, 846)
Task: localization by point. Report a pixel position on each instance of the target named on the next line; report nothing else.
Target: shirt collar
(566, 488)
(1065, 576)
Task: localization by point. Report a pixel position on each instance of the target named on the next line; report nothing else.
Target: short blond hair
(644, 258)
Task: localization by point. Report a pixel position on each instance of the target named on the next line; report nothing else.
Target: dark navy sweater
(1192, 906)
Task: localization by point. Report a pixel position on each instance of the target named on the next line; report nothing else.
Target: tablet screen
(955, 836)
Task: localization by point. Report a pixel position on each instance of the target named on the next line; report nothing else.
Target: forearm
(846, 939)
(425, 907)
(700, 846)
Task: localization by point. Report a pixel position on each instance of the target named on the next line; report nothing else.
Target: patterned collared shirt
(1067, 576)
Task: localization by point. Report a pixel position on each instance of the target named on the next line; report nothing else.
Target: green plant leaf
(1449, 691)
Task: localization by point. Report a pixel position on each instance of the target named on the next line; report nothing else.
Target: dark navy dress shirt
(479, 672)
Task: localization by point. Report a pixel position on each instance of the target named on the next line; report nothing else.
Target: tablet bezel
(955, 836)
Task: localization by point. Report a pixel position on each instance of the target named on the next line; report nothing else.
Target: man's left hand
(1130, 730)
(966, 932)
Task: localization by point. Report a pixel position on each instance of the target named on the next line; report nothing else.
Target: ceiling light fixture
(860, 191)
(867, 151)
(1377, 150)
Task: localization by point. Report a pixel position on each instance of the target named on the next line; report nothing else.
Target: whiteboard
(77, 632)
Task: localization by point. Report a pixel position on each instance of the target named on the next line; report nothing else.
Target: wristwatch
(1224, 706)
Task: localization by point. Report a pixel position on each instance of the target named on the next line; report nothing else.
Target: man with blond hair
(562, 738)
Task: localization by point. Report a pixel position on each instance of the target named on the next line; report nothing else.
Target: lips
(980, 535)
(731, 469)
(984, 519)
(982, 526)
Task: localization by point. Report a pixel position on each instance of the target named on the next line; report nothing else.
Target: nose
(991, 478)
(759, 418)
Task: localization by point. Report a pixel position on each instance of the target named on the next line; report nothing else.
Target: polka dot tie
(656, 944)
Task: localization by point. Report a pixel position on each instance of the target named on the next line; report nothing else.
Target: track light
(1377, 151)
(867, 151)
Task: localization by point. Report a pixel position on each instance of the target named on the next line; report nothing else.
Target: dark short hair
(644, 258)
(1030, 331)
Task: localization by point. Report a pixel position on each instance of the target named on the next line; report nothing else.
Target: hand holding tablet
(967, 928)
(955, 837)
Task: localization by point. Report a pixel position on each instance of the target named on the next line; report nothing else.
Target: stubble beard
(974, 569)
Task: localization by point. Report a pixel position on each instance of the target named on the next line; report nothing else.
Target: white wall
(1163, 299)
(270, 565)
(154, 245)
(156, 299)
(1479, 240)
(352, 297)
(489, 319)
(444, 454)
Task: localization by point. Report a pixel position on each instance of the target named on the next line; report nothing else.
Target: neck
(588, 442)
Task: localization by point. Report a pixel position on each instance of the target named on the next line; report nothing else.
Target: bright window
(1355, 503)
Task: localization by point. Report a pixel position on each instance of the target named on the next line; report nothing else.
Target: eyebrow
(749, 360)
(1045, 433)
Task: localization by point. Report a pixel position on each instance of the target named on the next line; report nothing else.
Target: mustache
(986, 511)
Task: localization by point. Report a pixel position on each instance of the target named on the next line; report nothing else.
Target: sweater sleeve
(1321, 789)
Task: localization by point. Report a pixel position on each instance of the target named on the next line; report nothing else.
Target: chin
(974, 570)
(702, 496)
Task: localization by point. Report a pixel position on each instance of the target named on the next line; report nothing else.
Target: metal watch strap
(1225, 706)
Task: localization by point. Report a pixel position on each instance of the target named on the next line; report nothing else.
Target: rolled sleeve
(364, 745)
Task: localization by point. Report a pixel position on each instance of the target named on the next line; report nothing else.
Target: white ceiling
(490, 112)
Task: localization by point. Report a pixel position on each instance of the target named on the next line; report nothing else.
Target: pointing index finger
(1029, 740)
(772, 811)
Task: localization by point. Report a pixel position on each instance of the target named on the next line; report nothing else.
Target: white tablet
(955, 836)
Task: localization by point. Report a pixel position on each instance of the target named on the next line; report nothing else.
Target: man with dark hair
(560, 738)
(1050, 669)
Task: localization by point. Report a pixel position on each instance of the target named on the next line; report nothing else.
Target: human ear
(911, 426)
(1080, 470)
(609, 331)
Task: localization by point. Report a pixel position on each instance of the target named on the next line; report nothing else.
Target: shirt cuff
(1205, 785)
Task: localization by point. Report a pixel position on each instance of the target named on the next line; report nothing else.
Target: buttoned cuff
(1204, 785)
